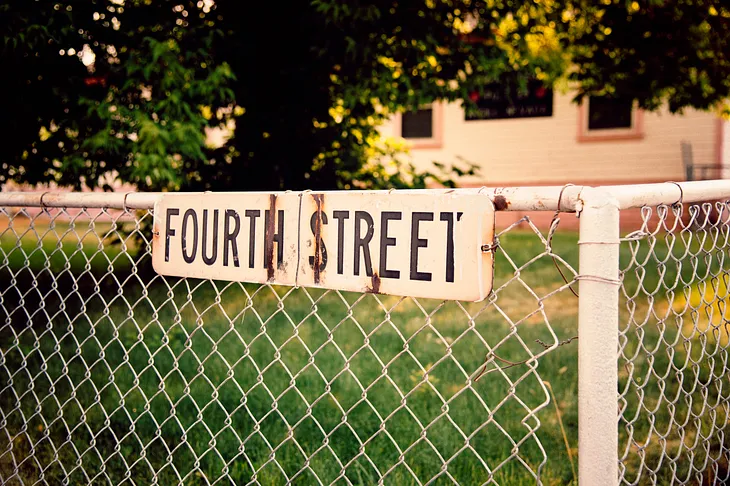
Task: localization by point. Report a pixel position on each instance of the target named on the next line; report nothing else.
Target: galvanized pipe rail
(530, 198)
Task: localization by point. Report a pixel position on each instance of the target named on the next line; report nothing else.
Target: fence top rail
(529, 198)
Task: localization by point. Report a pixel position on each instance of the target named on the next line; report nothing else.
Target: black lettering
(319, 247)
(449, 218)
(363, 243)
(417, 243)
(252, 214)
(385, 242)
(229, 236)
(169, 231)
(277, 237)
(341, 216)
(210, 260)
(190, 213)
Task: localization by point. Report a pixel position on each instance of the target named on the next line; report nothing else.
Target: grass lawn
(111, 374)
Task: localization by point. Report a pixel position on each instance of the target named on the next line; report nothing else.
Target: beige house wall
(725, 148)
(548, 150)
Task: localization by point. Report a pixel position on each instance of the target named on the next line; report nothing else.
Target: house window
(498, 102)
(422, 127)
(417, 124)
(606, 119)
(607, 113)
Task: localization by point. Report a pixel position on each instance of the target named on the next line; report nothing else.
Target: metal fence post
(598, 338)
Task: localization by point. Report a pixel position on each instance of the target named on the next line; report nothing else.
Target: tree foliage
(134, 114)
(658, 51)
(305, 86)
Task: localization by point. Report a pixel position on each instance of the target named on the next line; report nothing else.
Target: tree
(41, 87)
(659, 51)
(134, 113)
(307, 86)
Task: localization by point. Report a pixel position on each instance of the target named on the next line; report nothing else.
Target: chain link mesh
(674, 380)
(111, 374)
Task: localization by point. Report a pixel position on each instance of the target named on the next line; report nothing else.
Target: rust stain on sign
(375, 287)
(269, 238)
(319, 201)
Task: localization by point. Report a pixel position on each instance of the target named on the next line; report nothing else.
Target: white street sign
(420, 244)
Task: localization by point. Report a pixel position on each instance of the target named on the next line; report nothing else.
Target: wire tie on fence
(562, 275)
(597, 278)
(511, 364)
(552, 229)
(681, 193)
(551, 232)
(581, 242)
(635, 235)
(494, 246)
(42, 204)
(547, 346)
(491, 357)
(556, 220)
(560, 196)
(124, 201)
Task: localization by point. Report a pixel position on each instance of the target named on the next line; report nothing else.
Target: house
(543, 138)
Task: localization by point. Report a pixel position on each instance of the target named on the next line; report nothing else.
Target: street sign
(421, 244)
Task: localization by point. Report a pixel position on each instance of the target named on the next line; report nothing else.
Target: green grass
(674, 328)
(111, 373)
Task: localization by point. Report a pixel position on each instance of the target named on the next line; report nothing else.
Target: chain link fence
(674, 375)
(112, 374)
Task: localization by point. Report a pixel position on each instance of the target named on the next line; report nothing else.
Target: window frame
(435, 141)
(635, 132)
